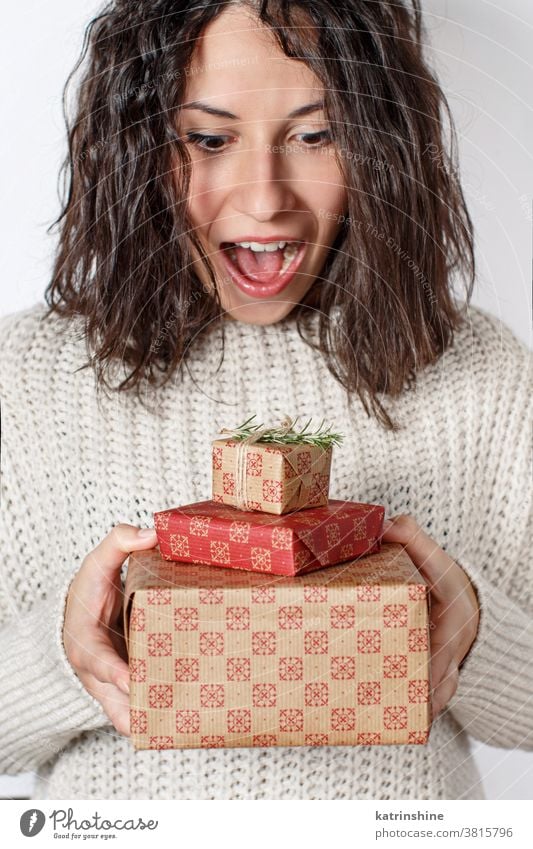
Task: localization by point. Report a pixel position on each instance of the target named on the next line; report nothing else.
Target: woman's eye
(214, 144)
(204, 142)
(317, 139)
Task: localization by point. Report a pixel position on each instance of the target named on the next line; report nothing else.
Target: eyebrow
(223, 113)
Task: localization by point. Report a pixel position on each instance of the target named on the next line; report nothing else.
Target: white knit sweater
(70, 471)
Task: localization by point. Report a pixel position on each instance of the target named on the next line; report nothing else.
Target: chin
(252, 315)
(255, 311)
(262, 315)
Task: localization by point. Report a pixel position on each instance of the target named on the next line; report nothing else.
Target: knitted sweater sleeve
(43, 704)
(494, 699)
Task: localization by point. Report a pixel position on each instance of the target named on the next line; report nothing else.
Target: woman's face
(263, 169)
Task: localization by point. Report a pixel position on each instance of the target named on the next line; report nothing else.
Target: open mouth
(262, 270)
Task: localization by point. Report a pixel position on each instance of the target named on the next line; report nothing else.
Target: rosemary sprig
(322, 436)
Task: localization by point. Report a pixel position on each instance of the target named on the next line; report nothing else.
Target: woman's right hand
(92, 631)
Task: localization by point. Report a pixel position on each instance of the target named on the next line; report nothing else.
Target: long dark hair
(124, 261)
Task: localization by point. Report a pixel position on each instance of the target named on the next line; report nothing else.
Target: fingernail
(146, 532)
(387, 524)
(125, 687)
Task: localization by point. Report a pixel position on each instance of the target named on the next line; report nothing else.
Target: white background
(482, 53)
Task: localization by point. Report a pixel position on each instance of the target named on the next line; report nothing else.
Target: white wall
(482, 52)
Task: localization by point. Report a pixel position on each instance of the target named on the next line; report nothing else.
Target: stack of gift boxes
(272, 615)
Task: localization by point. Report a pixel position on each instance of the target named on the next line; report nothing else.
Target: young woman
(257, 221)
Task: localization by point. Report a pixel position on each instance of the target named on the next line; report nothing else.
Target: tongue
(262, 266)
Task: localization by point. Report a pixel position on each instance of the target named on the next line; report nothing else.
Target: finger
(118, 641)
(456, 618)
(115, 704)
(103, 662)
(444, 652)
(106, 559)
(435, 565)
(444, 691)
(108, 667)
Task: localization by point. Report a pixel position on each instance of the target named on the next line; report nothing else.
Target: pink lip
(262, 239)
(264, 290)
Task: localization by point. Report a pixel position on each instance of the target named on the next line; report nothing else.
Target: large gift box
(296, 543)
(225, 658)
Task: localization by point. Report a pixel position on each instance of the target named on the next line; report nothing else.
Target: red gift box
(220, 535)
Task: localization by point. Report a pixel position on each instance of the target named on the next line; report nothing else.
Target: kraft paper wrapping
(270, 478)
(227, 658)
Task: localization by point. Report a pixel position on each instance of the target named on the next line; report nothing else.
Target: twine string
(243, 445)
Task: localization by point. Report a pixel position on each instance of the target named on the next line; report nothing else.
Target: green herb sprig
(322, 436)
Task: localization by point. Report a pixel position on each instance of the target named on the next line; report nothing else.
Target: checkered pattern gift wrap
(273, 469)
(229, 658)
(216, 534)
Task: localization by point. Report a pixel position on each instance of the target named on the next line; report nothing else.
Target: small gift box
(225, 658)
(273, 469)
(219, 535)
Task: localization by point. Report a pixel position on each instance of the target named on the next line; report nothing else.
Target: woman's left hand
(454, 605)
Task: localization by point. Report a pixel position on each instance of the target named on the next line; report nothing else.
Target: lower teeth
(289, 253)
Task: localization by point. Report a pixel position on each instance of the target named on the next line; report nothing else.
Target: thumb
(439, 569)
(109, 555)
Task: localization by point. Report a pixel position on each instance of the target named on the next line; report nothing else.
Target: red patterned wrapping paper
(276, 478)
(223, 658)
(220, 535)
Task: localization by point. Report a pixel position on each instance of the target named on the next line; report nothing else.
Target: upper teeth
(262, 246)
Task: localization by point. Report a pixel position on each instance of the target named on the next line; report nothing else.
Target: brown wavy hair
(124, 260)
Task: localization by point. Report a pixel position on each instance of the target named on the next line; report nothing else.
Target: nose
(261, 186)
